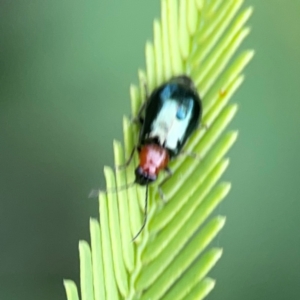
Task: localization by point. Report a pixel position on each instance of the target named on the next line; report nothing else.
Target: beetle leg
(146, 90)
(160, 192)
(127, 163)
(95, 193)
(139, 119)
(202, 126)
(190, 154)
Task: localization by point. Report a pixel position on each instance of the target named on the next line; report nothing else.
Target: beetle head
(142, 177)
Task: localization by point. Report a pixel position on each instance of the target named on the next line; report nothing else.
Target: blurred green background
(65, 72)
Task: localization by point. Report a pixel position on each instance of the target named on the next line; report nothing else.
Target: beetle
(170, 114)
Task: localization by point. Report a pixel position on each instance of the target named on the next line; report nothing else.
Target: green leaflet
(170, 259)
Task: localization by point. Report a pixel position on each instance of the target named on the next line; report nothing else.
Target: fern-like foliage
(170, 259)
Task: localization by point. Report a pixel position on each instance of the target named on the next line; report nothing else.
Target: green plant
(167, 261)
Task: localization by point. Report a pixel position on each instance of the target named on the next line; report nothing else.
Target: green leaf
(170, 259)
(71, 290)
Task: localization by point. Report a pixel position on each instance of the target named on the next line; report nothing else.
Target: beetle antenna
(145, 215)
(95, 193)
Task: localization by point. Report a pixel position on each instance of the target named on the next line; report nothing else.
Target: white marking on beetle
(167, 127)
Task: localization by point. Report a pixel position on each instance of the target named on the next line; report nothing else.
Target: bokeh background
(65, 70)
